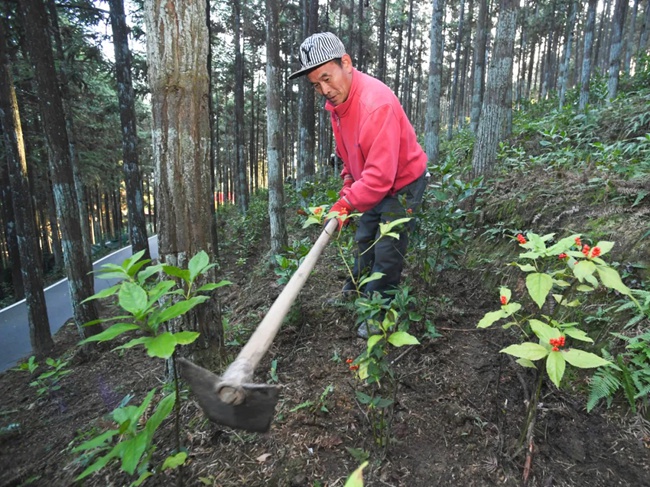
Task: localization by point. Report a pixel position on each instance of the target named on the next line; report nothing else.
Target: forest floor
(459, 408)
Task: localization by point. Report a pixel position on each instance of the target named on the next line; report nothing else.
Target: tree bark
(241, 192)
(629, 50)
(618, 24)
(454, 82)
(274, 131)
(494, 109)
(30, 255)
(177, 49)
(585, 76)
(566, 57)
(479, 64)
(432, 124)
(130, 164)
(80, 280)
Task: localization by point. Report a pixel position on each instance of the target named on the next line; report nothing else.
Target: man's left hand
(340, 210)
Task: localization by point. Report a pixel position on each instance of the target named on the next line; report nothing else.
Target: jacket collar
(342, 109)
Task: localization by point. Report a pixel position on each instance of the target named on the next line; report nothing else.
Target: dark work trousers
(387, 255)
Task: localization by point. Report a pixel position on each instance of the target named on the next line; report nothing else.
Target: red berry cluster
(352, 367)
(557, 343)
(504, 300)
(562, 256)
(578, 242)
(521, 238)
(589, 252)
(318, 210)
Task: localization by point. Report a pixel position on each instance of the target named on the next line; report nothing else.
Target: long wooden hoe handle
(242, 369)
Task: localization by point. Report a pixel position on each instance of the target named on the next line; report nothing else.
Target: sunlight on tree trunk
(432, 125)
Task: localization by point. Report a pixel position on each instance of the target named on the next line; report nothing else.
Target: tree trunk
(306, 119)
(454, 82)
(585, 75)
(566, 57)
(381, 69)
(274, 131)
(241, 192)
(30, 255)
(618, 24)
(9, 223)
(479, 64)
(432, 125)
(177, 48)
(494, 110)
(80, 280)
(629, 50)
(130, 165)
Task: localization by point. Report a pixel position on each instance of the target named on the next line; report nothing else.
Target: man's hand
(340, 210)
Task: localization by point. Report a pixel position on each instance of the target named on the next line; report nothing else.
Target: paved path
(14, 326)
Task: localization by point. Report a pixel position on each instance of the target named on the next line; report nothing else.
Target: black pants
(387, 255)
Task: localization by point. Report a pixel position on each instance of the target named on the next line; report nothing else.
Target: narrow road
(14, 326)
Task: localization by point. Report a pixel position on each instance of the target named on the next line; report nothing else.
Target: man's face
(333, 81)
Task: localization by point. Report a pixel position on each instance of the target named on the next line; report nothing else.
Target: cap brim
(304, 71)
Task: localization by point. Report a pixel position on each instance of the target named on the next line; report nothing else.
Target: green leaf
(110, 333)
(504, 291)
(104, 293)
(186, 337)
(527, 267)
(134, 448)
(372, 341)
(356, 479)
(578, 334)
(555, 366)
(180, 308)
(562, 246)
(490, 318)
(174, 461)
(524, 362)
(401, 338)
(142, 478)
(212, 286)
(529, 350)
(161, 346)
(96, 442)
(132, 298)
(373, 277)
(174, 271)
(198, 263)
(610, 278)
(149, 271)
(604, 246)
(136, 341)
(582, 359)
(163, 410)
(584, 288)
(583, 269)
(99, 464)
(539, 285)
(543, 331)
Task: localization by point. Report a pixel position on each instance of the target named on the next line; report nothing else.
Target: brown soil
(460, 406)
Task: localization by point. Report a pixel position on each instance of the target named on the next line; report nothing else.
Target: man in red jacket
(384, 168)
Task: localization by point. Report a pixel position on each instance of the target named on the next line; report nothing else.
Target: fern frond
(603, 384)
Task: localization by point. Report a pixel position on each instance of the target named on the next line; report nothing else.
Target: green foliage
(574, 270)
(356, 478)
(48, 381)
(150, 306)
(294, 255)
(135, 448)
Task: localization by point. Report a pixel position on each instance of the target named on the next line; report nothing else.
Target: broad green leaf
(174, 271)
(363, 370)
(584, 288)
(604, 246)
(98, 465)
(543, 331)
(582, 359)
(186, 337)
(373, 340)
(539, 285)
(104, 293)
(524, 362)
(143, 406)
(504, 291)
(356, 479)
(510, 309)
(583, 269)
(159, 290)
(134, 448)
(212, 286)
(180, 308)
(162, 346)
(529, 350)
(373, 277)
(96, 442)
(578, 334)
(142, 478)
(527, 267)
(401, 338)
(174, 461)
(147, 272)
(198, 263)
(110, 333)
(562, 246)
(610, 278)
(134, 342)
(560, 283)
(163, 410)
(132, 298)
(529, 255)
(490, 318)
(555, 366)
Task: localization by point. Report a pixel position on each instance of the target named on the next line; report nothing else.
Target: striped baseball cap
(318, 49)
